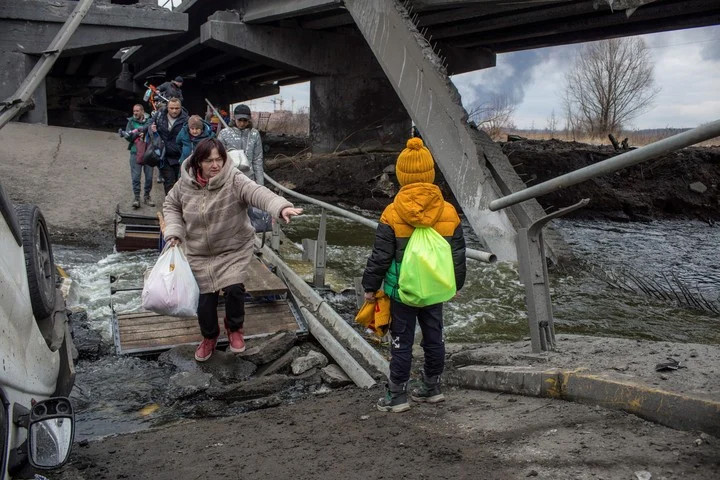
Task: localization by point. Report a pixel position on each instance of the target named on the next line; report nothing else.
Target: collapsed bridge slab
(475, 168)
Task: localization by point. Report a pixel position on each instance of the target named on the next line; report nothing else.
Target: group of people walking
(206, 213)
(180, 134)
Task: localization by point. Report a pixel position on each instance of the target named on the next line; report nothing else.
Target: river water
(116, 395)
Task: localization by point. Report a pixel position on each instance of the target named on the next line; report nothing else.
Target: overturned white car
(36, 369)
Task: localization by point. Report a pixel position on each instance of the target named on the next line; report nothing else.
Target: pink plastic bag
(171, 288)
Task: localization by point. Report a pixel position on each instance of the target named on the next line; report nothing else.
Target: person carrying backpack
(409, 227)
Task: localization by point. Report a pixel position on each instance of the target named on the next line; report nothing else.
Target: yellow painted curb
(676, 410)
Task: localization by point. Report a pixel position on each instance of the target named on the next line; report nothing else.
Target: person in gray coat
(206, 212)
(244, 137)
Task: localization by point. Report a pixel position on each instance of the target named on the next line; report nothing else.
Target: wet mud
(342, 435)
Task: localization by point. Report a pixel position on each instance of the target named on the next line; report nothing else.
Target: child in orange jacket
(419, 203)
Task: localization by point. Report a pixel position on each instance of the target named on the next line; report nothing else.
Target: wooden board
(260, 281)
(137, 241)
(145, 332)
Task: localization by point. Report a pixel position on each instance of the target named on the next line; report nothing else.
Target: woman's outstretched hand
(290, 212)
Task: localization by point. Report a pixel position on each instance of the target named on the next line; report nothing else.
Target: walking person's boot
(136, 202)
(148, 201)
(206, 348)
(236, 339)
(429, 391)
(395, 399)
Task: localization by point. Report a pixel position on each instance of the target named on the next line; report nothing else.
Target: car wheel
(39, 261)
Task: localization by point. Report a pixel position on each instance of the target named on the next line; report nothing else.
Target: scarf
(203, 182)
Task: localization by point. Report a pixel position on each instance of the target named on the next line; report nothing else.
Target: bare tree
(552, 123)
(610, 84)
(494, 116)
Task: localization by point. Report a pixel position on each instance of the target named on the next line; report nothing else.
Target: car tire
(39, 261)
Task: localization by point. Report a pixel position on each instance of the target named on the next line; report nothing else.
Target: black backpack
(155, 150)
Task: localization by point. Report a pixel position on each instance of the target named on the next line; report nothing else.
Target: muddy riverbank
(657, 189)
(79, 177)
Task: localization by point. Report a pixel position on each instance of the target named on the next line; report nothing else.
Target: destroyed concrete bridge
(374, 66)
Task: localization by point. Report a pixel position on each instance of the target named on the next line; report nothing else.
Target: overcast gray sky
(687, 69)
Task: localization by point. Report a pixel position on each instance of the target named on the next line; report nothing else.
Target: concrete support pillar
(356, 111)
(14, 67)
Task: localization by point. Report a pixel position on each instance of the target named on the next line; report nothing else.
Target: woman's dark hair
(203, 151)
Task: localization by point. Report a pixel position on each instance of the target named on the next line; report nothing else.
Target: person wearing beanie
(172, 89)
(418, 203)
(191, 134)
(242, 136)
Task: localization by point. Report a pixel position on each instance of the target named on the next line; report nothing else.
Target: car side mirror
(50, 433)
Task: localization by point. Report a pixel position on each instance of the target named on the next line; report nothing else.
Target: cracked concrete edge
(675, 410)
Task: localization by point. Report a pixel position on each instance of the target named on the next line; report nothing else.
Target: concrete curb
(675, 410)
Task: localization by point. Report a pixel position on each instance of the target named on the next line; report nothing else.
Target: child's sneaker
(395, 399)
(429, 391)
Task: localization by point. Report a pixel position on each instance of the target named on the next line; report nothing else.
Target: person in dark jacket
(191, 134)
(172, 89)
(419, 203)
(168, 123)
(136, 126)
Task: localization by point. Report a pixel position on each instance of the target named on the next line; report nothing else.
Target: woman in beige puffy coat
(207, 212)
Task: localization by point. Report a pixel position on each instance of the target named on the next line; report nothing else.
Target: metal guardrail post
(359, 292)
(315, 251)
(275, 237)
(320, 253)
(532, 267)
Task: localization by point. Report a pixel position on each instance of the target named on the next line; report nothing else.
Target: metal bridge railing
(532, 264)
(628, 159)
(469, 252)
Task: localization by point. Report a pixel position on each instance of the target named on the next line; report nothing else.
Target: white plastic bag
(171, 288)
(239, 159)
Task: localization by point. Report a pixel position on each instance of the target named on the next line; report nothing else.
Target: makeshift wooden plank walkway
(270, 311)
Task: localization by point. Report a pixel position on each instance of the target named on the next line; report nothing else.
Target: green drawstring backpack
(427, 275)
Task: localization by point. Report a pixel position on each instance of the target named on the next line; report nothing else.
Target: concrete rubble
(311, 360)
(271, 368)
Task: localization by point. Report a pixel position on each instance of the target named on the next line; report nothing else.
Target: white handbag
(239, 159)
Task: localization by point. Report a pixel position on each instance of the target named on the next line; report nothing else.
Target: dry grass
(636, 139)
(283, 122)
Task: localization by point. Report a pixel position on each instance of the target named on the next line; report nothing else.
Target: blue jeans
(135, 174)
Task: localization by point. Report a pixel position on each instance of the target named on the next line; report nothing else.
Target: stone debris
(187, 384)
(697, 187)
(334, 376)
(251, 388)
(223, 366)
(280, 364)
(87, 343)
(312, 359)
(269, 349)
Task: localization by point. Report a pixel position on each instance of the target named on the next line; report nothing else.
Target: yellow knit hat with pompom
(415, 164)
